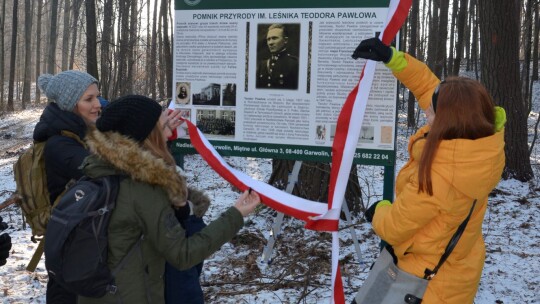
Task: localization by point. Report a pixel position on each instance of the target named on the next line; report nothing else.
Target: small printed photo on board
(332, 131)
(229, 95)
(205, 94)
(320, 132)
(387, 134)
(367, 134)
(182, 129)
(216, 123)
(183, 93)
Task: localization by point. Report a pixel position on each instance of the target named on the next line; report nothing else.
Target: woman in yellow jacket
(458, 157)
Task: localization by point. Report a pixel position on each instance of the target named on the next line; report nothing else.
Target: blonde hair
(157, 146)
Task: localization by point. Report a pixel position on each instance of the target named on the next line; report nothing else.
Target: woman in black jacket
(74, 106)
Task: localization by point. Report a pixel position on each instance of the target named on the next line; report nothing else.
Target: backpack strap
(72, 135)
(36, 257)
(113, 288)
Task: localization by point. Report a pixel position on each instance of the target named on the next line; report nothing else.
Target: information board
(268, 78)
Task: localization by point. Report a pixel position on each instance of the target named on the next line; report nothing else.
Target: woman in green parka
(458, 157)
(130, 139)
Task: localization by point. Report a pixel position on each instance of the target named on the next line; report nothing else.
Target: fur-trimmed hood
(128, 157)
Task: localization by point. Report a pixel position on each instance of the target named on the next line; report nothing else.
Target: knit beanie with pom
(134, 116)
(65, 88)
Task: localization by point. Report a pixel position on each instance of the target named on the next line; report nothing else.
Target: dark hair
(464, 110)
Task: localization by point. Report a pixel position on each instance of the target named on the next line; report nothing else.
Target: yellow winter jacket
(419, 226)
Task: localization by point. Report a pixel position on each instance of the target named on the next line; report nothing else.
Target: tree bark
(167, 56)
(153, 54)
(65, 35)
(28, 12)
(452, 36)
(161, 68)
(527, 45)
(475, 40)
(433, 33)
(51, 55)
(462, 16)
(413, 16)
(536, 43)
(2, 53)
(38, 48)
(12, 65)
(91, 39)
(76, 9)
(499, 27)
(123, 34)
(441, 35)
(106, 43)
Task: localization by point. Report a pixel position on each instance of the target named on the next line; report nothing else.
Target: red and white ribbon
(318, 216)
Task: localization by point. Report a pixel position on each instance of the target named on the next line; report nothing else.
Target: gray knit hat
(65, 88)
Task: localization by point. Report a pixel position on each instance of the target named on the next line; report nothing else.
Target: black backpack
(76, 242)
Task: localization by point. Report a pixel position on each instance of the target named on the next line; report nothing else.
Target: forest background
(128, 45)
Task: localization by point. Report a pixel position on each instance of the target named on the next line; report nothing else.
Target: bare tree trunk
(2, 53)
(442, 34)
(28, 12)
(148, 49)
(12, 65)
(153, 54)
(106, 43)
(123, 34)
(91, 39)
(433, 33)
(462, 16)
(51, 57)
(38, 48)
(66, 33)
(468, 34)
(131, 47)
(536, 42)
(500, 74)
(527, 45)
(475, 39)
(167, 48)
(413, 16)
(76, 8)
(161, 76)
(452, 36)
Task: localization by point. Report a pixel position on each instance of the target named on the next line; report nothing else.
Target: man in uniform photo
(280, 71)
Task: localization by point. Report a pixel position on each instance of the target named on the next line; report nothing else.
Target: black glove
(5, 243)
(373, 49)
(370, 212)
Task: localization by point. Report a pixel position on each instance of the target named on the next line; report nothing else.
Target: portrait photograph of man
(277, 56)
(182, 93)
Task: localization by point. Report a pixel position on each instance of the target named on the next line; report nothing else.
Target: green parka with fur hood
(143, 209)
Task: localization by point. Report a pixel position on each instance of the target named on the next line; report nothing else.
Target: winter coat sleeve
(418, 78)
(411, 211)
(166, 235)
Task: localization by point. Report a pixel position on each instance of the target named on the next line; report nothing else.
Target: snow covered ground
(300, 270)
